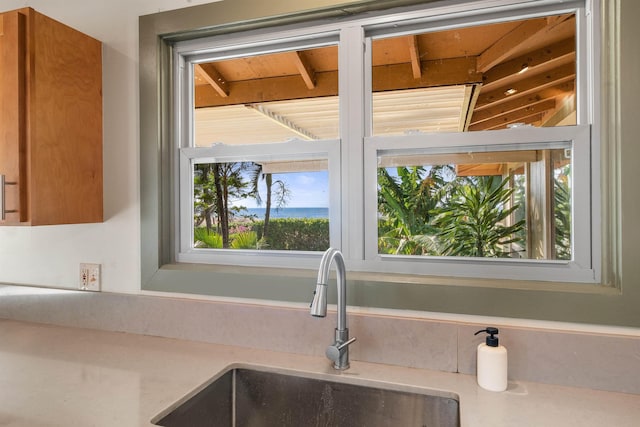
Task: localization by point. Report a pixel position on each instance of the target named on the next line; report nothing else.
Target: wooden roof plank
(525, 119)
(515, 116)
(491, 169)
(561, 113)
(518, 102)
(414, 51)
(443, 72)
(505, 46)
(304, 68)
(265, 90)
(387, 77)
(209, 73)
(526, 86)
(561, 52)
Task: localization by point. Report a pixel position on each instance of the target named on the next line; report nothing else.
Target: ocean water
(291, 212)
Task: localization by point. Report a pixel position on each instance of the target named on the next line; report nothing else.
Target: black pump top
(491, 340)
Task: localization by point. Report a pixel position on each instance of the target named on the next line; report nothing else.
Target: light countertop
(58, 376)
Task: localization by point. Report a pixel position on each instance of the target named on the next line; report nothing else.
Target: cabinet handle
(3, 210)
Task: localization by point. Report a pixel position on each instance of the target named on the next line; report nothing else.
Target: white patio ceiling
(435, 109)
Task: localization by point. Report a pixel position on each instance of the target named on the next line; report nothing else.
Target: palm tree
(471, 221)
(204, 195)
(221, 204)
(405, 203)
(215, 185)
(281, 193)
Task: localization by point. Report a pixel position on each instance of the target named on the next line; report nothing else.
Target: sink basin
(252, 398)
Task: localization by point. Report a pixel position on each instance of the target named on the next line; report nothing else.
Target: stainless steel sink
(254, 398)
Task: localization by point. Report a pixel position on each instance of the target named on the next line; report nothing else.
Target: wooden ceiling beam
(526, 86)
(443, 72)
(510, 42)
(414, 52)
(519, 102)
(505, 46)
(516, 116)
(483, 169)
(209, 74)
(557, 53)
(385, 77)
(265, 90)
(304, 68)
(561, 113)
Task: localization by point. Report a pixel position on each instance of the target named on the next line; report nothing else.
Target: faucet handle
(346, 343)
(334, 351)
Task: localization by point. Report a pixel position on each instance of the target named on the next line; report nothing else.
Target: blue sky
(307, 190)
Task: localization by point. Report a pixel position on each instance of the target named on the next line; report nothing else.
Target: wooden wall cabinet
(50, 122)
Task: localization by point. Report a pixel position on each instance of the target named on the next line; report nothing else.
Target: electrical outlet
(89, 277)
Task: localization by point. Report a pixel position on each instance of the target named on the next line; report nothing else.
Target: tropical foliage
(293, 234)
(217, 189)
(296, 234)
(221, 223)
(562, 210)
(215, 185)
(430, 211)
(405, 205)
(206, 238)
(275, 191)
(245, 240)
(422, 210)
(473, 220)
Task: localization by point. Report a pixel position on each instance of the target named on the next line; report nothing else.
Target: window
(452, 140)
(260, 151)
(242, 205)
(476, 204)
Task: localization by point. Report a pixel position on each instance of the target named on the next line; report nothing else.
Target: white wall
(50, 255)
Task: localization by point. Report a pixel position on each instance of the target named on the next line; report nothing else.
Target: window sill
(244, 273)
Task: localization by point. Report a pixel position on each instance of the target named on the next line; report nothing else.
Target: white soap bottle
(492, 362)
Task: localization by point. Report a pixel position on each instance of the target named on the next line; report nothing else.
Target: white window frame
(577, 270)
(353, 158)
(285, 151)
(196, 51)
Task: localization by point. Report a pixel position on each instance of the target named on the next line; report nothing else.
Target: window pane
(266, 206)
(476, 78)
(505, 204)
(267, 98)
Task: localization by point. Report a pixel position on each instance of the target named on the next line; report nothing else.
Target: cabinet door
(13, 120)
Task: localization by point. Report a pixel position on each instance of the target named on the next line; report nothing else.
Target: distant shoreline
(289, 212)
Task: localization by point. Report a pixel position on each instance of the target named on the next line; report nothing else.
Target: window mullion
(182, 194)
(351, 89)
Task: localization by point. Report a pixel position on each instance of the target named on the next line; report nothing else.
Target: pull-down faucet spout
(338, 352)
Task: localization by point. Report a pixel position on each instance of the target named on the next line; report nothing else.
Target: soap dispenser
(492, 362)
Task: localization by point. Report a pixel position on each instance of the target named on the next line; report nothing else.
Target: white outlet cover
(89, 278)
